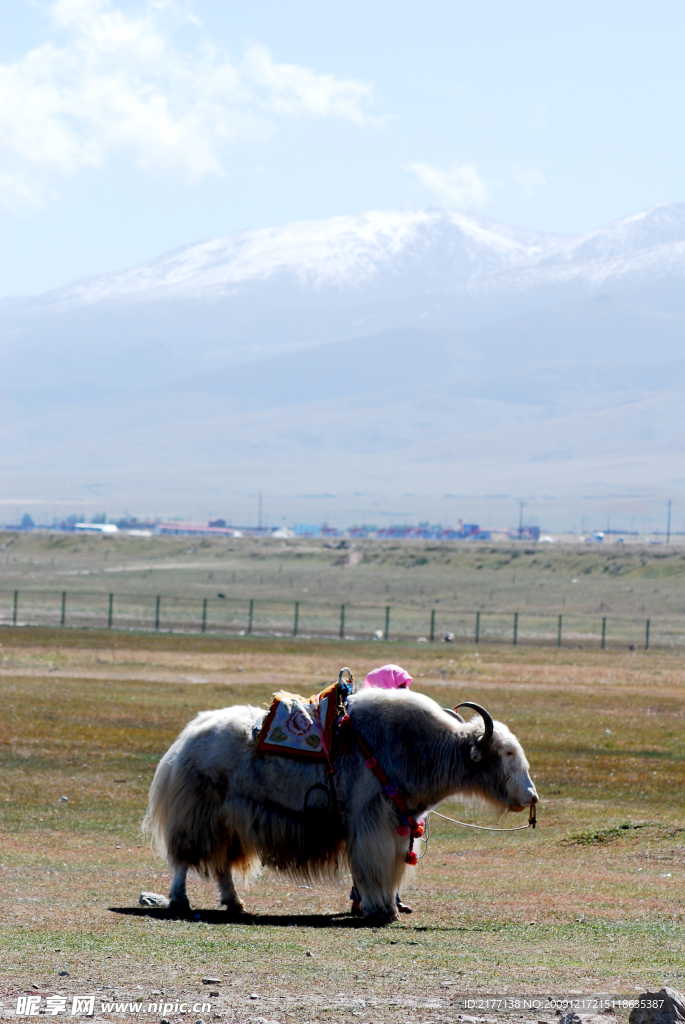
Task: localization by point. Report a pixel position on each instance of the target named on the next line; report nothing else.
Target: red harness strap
(408, 826)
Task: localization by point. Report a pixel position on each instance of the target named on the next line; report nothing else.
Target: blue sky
(129, 128)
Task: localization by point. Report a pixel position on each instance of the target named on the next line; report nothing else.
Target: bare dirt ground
(593, 901)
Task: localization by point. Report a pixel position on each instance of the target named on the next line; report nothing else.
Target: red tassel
(412, 858)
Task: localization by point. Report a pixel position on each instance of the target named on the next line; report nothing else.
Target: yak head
(496, 766)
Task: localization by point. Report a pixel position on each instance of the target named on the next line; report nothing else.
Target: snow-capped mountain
(442, 246)
(453, 341)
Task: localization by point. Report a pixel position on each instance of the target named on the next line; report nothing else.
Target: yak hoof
(180, 908)
(234, 909)
(403, 908)
(381, 917)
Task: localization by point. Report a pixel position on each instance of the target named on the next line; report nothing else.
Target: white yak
(218, 808)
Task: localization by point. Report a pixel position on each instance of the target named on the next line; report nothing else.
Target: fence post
(249, 621)
(16, 604)
(559, 632)
(64, 608)
(297, 618)
(476, 639)
(516, 628)
(111, 611)
(157, 613)
(204, 614)
(647, 635)
(432, 625)
(387, 622)
(604, 632)
(342, 621)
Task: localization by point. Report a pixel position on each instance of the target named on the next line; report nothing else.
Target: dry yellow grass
(581, 904)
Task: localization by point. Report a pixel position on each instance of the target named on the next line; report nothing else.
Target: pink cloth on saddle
(389, 677)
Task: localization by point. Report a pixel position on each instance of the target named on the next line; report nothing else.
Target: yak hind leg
(229, 897)
(178, 898)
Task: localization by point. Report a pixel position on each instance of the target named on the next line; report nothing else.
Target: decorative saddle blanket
(300, 727)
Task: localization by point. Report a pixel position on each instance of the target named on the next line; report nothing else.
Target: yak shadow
(340, 920)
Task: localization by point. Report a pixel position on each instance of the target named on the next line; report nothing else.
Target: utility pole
(668, 523)
(521, 506)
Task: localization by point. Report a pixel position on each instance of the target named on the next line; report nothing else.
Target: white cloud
(461, 185)
(531, 179)
(113, 80)
(17, 190)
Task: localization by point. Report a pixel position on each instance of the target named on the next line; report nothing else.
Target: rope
(425, 838)
(487, 828)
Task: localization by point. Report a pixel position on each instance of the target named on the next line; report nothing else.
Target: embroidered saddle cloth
(300, 727)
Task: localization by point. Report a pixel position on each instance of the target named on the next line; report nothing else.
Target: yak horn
(454, 715)
(487, 720)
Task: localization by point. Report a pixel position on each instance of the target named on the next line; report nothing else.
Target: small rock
(445, 984)
(214, 993)
(63, 800)
(165, 1020)
(672, 1010)
(308, 953)
(253, 995)
(211, 981)
(63, 974)
(34, 986)
(152, 899)
(571, 1017)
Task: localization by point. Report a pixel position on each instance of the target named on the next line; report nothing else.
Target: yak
(218, 808)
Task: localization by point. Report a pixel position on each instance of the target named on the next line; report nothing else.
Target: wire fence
(266, 617)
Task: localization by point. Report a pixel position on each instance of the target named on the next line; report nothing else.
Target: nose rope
(532, 822)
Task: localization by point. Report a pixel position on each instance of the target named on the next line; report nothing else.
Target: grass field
(591, 901)
(584, 583)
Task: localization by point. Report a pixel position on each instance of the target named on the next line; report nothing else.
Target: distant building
(466, 531)
(530, 533)
(195, 530)
(96, 527)
(306, 530)
(282, 533)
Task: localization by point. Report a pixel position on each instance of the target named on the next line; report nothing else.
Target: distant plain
(584, 583)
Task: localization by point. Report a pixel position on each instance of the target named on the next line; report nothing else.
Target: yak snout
(526, 795)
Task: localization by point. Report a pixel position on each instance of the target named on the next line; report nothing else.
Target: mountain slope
(381, 354)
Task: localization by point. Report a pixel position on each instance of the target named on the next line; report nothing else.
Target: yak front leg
(377, 866)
